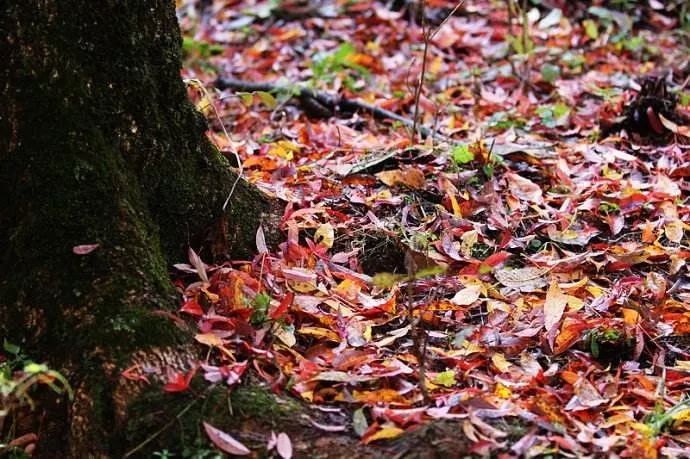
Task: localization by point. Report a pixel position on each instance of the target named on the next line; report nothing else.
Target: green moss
(178, 418)
(258, 403)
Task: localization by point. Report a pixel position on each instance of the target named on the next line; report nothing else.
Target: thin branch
(420, 83)
(328, 102)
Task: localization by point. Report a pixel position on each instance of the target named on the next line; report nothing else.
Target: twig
(525, 42)
(199, 85)
(420, 82)
(428, 36)
(325, 101)
(162, 429)
(419, 336)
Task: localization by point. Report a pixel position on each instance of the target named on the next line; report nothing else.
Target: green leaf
(267, 99)
(247, 98)
(343, 52)
(33, 368)
(461, 154)
(591, 28)
(684, 98)
(445, 378)
(10, 348)
(359, 422)
(560, 110)
(387, 280)
(550, 72)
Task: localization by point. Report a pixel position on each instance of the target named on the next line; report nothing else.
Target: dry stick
(420, 82)
(525, 39)
(510, 31)
(419, 336)
(428, 36)
(328, 101)
(204, 92)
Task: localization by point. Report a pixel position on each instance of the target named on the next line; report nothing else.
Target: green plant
(261, 304)
(660, 419)
(520, 43)
(18, 377)
(554, 114)
(325, 66)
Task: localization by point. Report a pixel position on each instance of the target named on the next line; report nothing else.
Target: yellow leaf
(325, 235)
(209, 339)
(386, 433)
(500, 362)
(502, 391)
(574, 303)
(283, 149)
(456, 208)
(287, 337)
(319, 333)
(302, 287)
(348, 289)
(630, 316)
(674, 230)
(595, 291)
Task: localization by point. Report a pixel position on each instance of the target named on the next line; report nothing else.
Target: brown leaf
(413, 178)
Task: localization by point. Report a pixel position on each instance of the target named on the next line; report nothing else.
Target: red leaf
(192, 307)
(179, 382)
(280, 311)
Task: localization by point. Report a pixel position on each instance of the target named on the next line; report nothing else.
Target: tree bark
(100, 145)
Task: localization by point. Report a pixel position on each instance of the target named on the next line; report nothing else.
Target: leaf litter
(550, 238)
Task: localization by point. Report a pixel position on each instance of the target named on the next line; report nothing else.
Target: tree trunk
(100, 145)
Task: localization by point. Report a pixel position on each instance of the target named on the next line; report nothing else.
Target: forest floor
(512, 284)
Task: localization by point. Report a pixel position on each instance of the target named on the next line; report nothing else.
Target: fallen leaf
(554, 306)
(411, 177)
(325, 235)
(387, 432)
(467, 295)
(284, 446)
(524, 279)
(84, 249)
(225, 442)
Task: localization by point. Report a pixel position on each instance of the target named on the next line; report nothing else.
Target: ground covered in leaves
(520, 272)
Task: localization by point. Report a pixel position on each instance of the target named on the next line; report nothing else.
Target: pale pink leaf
(261, 240)
(284, 446)
(225, 442)
(84, 249)
(524, 189)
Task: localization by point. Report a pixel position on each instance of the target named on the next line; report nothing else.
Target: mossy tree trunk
(100, 145)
